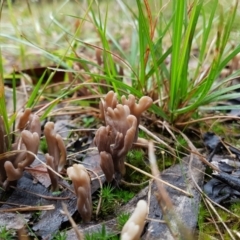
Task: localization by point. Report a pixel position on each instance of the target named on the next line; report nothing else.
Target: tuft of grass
(159, 32)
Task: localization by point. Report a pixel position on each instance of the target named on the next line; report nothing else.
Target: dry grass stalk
(220, 219)
(74, 225)
(157, 179)
(212, 219)
(29, 208)
(176, 227)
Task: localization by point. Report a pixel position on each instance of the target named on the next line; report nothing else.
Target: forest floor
(46, 50)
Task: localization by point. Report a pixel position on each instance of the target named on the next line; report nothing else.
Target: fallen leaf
(40, 173)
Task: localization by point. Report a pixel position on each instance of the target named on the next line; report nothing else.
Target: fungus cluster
(29, 133)
(113, 141)
(29, 130)
(116, 138)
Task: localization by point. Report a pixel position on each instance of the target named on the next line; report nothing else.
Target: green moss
(60, 235)
(88, 121)
(109, 202)
(207, 228)
(101, 235)
(202, 216)
(181, 144)
(164, 160)
(121, 220)
(142, 134)
(112, 198)
(123, 196)
(218, 129)
(137, 159)
(6, 234)
(43, 145)
(235, 208)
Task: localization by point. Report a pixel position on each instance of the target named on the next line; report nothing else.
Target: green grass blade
(143, 32)
(182, 78)
(3, 109)
(34, 97)
(177, 31)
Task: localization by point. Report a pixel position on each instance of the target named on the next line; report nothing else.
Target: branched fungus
(106, 163)
(116, 139)
(23, 118)
(14, 169)
(133, 228)
(57, 154)
(52, 175)
(121, 130)
(137, 109)
(56, 147)
(29, 121)
(82, 186)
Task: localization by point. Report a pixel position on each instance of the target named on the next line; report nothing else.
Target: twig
(155, 220)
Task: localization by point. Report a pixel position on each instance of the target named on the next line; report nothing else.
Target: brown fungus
(56, 147)
(57, 154)
(52, 175)
(137, 109)
(116, 139)
(106, 163)
(14, 169)
(82, 186)
(121, 129)
(23, 118)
